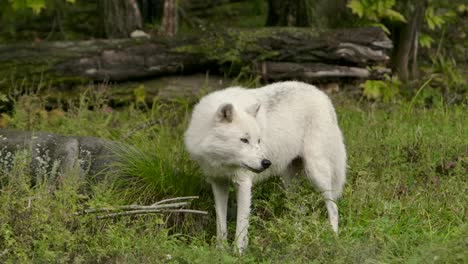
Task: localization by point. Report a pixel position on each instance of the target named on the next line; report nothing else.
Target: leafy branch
(373, 11)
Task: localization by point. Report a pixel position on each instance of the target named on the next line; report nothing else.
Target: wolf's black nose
(266, 163)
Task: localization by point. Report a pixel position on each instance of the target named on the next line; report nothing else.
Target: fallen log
(290, 53)
(316, 72)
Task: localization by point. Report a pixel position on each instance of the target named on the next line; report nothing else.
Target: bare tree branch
(133, 207)
(137, 212)
(163, 206)
(175, 199)
(141, 127)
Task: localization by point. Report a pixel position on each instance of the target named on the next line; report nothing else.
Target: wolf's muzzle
(266, 164)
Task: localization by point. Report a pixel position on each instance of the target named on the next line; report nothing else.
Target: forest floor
(404, 201)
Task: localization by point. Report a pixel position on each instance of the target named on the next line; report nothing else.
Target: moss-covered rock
(52, 155)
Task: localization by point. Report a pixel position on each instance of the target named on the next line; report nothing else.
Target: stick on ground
(163, 206)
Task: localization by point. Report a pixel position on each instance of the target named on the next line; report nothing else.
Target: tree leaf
(382, 26)
(140, 94)
(461, 8)
(429, 17)
(16, 5)
(356, 7)
(36, 5)
(425, 40)
(394, 15)
(371, 89)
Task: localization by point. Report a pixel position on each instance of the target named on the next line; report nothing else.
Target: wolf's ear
(225, 113)
(253, 109)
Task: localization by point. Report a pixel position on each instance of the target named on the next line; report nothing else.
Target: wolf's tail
(339, 177)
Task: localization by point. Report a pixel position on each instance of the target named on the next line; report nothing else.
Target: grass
(162, 165)
(404, 202)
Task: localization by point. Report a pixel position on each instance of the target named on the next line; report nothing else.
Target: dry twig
(141, 126)
(136, 212)
(163, 206)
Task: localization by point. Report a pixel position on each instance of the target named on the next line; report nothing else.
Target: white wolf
(244, 135)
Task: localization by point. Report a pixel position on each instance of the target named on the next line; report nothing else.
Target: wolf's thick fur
(236, 134)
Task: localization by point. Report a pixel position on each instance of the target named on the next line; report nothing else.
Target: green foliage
(435, 20)
(153, 160)
(384, 90)
(4, 102)
(140, 94)
(425, 40)
(38, 223)
(242, 14)
(448, 78)
(462, 8)
(154, 164)
(36, 20)
(373, 11)
(35, 5)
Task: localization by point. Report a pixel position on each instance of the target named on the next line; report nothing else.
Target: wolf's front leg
(244, 189)
(221, 195)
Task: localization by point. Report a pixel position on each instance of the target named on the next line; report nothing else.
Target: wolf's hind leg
(319, 171)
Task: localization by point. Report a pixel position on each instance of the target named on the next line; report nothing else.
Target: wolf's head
(234, 140)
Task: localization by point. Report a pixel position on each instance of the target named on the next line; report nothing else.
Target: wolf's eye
(258, 141)
(246, 141)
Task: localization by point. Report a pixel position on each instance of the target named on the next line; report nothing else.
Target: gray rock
(52, 154)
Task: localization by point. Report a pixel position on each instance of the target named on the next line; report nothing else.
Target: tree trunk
(408, 45)
(152, 10)
(303, 11)
(120, 18)
(332, 13)
(273, 13)
(136, 12)
(289, 13)
(339, 54)
(169, 21)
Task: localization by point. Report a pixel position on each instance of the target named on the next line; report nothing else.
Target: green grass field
(404, 202)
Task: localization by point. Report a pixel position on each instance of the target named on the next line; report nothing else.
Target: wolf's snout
(266, 163)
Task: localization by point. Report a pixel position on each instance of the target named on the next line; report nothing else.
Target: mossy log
(317, 72)
(275, 53)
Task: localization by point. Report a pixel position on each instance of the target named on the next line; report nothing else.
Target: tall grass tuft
(155, 166)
